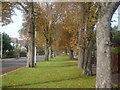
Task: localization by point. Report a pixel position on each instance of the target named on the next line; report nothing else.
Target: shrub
(10, 54)
(115, 50)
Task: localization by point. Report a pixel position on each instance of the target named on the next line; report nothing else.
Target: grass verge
(59, 72)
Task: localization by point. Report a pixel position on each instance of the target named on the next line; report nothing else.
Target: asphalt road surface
(8, 65)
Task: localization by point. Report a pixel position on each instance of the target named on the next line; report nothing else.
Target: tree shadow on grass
(46, 82)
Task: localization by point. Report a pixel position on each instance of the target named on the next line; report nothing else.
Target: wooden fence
(115, 59)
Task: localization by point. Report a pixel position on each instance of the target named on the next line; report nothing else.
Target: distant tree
(6, 43)
(115, 35)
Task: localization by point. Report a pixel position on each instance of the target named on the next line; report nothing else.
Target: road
(13, 63)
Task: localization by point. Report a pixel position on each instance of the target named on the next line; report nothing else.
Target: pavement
(10, 64)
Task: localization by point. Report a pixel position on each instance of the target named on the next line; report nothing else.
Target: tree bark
(71, 54)
(31, 52)
(80, 58)
(53, 54)
(28, 57)
(89, 64)
(50, 53)
(46, 53)
(103, 77)
(81, 49)
(81, 40)
(103, 53)
(85, 61)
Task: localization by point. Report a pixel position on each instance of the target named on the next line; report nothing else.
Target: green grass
(115, 50)
(60, 72)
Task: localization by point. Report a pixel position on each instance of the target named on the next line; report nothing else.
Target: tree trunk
(35, 60)
(66, 52)
(80, 58)
(46, 53)
(28, 57)
(50, 53)
(71, 54)
(85, 61)
(89, 64)
(103, 53)
(53, 54)
(103, 78)
(81, 49)
(31, 52)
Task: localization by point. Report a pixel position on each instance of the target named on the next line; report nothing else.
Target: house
(18, 44)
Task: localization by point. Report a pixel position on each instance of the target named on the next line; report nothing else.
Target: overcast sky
(13, 28)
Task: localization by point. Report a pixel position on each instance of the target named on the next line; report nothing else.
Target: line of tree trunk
(87, 64)
(49, 53)
(85, 53)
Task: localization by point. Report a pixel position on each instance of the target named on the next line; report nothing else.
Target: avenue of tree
(74, 27)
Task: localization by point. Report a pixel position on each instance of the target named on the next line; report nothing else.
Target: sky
(115, 17)
(13, 28)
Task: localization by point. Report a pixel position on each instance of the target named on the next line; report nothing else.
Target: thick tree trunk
(30, 61)
(103, 78)
(71, 54)
(31, 52)
(103, 53)
(80, 58)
